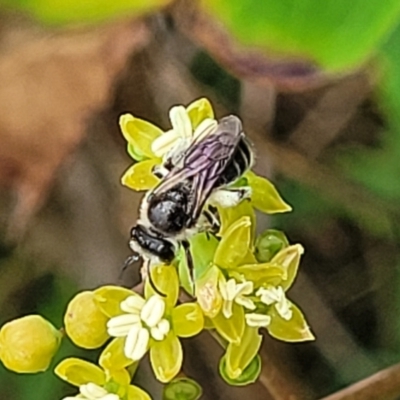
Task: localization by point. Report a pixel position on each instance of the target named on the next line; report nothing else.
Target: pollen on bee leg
(226, 198)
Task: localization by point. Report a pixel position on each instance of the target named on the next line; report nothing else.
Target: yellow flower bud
(85, 323)
(28, 344)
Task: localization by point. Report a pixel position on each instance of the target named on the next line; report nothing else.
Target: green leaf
(269, 243)
(294, 330)
(187, 320)
(264, 196)
(249, 375)
(182, 389)
(231, 329)
(73, 11)
(239, 356)
(235, 244)
(336, 34)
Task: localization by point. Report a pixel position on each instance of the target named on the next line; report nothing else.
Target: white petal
(136, 343)
(223, 288)
(257, 320)
(164, 326)
(132, 304)
(180, 121)
(245, 302)
(205, 128)
(156, 333)
(110, 396)
(91, 391)
(269, 296)
(153, 311)
(120, 325)
(244, 288)
(164, 143)
(227, 308)
(284, 309)
(230, 289)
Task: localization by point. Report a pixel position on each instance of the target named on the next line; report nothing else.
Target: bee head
(151, 244)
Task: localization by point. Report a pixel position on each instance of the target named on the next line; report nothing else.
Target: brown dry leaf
(49, 88)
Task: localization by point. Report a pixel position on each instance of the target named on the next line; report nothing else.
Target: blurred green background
(317, 85)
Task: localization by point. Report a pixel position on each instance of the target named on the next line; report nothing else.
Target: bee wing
(204, 162)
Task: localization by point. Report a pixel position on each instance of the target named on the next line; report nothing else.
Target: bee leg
(211, 216)
(130, 260)
(159, 171)
(231, 197)
(189, 259)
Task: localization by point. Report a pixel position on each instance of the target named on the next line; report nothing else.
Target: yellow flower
(28, 344)
(150, 146)
(85, 324)
(151, 323)
(276, 296)
(95, 383)
(184, 132)
(235, 292)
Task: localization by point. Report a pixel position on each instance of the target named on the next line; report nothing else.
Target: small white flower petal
(270, 296)
(223, 288)
(244, 288)
(205, 128)
(153, 311)
(181, 122)
(136, 343)
(156, 333)
(91, 391)
(164, 143)
(245, 302)
(227, 308)
(164, 326)
(110, 396)
(120, 325)
(132, 304)
(284, 309)
(256, 320)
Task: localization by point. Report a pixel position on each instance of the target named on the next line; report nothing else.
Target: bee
(181, 205)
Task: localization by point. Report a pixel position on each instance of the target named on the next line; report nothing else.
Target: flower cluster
(238, 286)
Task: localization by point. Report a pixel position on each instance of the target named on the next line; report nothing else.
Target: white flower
(277, 297)
(256, 320)
(175, 141)
(142, 319)
(91, 391)
(233, 292)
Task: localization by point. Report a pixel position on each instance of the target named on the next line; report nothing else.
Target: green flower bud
(28, 344)
(269, 243)
(85, 323)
